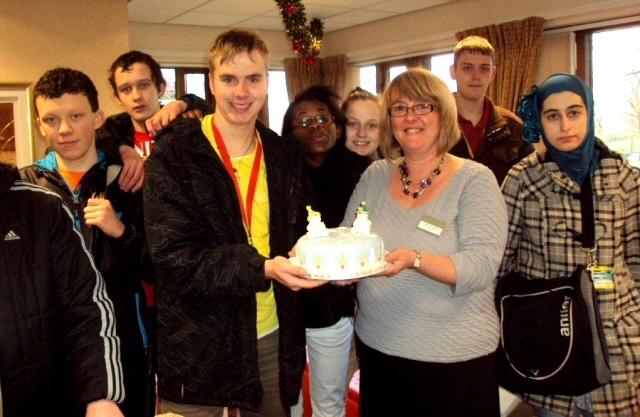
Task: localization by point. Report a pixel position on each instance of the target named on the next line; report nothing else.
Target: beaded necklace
(406, 182)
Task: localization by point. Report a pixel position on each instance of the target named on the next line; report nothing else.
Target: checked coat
(543, 205)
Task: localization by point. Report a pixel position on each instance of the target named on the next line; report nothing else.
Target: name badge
(432, 225)
(602, 277)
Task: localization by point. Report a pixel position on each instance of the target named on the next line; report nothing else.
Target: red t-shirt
(143, 144)
(474, 133)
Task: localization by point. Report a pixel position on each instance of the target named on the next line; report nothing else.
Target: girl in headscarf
(545, 229)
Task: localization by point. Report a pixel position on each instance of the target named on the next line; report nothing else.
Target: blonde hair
(419, 85)
(474, 45)
(358, 94)
(233, 42)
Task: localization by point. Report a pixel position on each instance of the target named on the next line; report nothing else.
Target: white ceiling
(265, 14)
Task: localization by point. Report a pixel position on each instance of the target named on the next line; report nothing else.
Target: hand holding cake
(292, 276)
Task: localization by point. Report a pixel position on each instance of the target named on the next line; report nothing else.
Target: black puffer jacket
(502, 146)
(58, 350)
(208, 275)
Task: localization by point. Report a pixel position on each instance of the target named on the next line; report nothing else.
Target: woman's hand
(400, 259)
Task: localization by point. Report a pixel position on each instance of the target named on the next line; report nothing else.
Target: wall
(187, 45)
(434, 29)
(426, 31)
(87, 35)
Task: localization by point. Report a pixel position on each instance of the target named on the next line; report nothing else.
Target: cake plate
(343, 274)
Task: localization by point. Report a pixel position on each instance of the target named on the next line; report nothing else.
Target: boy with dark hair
(109, 219)
(224, 203)
(59, 352)
(491, 135)
(138, 84)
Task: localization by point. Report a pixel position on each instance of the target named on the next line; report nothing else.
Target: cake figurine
(316, 227)
(342, 252)
(362, 224)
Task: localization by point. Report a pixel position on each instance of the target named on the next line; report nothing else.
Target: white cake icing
(339, 249)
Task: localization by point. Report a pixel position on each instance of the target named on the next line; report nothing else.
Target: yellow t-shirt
(267, 318)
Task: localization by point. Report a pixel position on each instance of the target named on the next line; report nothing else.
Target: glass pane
(616, 89)
(278, 99)
(195, 84)
(395, 71)
(368, 78)
(440, 66)
(169, 75)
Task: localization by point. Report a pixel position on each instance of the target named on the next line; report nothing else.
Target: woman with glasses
(315, 119)
(427, 332)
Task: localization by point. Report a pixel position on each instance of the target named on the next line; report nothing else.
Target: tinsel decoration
(305, 39)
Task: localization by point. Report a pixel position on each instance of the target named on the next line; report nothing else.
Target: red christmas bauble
(297, 46)
(289, 9)
(310, 61)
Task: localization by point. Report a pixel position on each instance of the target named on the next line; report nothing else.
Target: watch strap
(418, 260)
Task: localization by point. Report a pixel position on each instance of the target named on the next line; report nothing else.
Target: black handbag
(552, 339)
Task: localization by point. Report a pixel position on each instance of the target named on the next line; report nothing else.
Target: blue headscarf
(580, 162)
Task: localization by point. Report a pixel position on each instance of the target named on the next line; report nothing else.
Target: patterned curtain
(518, 47)
(331, 71)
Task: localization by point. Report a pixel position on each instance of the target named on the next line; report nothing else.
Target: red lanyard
(253, 181)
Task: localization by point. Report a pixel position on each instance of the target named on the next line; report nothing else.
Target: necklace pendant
(424, 182)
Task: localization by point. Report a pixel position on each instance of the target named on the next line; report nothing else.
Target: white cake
(341, 252)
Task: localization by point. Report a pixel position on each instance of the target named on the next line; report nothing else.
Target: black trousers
(390, 385)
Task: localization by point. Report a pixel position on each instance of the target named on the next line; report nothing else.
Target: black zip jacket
(208, 275)
(123, 262)
(58, 348)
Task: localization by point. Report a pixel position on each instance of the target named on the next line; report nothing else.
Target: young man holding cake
(224, 203)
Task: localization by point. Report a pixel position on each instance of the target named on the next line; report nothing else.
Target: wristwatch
(418, 260)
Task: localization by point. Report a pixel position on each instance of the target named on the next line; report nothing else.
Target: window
(374, 78)
(277, 99)
(368, 78)
(181, 81)
(440, 65)
(395, 71)
(169, 75)
(612, 66)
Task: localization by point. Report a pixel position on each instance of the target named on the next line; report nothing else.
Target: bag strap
(586, 208)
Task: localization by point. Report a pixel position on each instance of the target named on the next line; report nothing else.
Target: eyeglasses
(321, 120)
(418, 109)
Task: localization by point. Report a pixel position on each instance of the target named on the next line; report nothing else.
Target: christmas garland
(305, 40)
